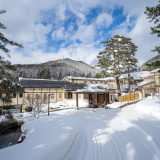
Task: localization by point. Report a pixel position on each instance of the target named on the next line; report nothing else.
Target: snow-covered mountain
(146, 68)
(57, 69)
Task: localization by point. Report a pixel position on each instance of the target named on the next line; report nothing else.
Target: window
(52, 96)
(37, 96)
(59, 95)
(28, 96)
(21, 95)
(111, 97)
(45, 96)
(14, 95)
(69, 95)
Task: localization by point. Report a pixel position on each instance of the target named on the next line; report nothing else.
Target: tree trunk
(118, 86)
(129, 83)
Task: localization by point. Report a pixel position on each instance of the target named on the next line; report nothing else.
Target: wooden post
(77, 100)
(105, 99)
(48, 103)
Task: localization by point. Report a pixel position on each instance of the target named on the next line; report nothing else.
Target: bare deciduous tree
(35, 103)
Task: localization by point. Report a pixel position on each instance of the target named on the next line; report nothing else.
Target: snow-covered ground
(66, 104)
(92, 134)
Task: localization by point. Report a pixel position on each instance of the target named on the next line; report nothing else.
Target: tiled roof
(42, 83)
(73, 86)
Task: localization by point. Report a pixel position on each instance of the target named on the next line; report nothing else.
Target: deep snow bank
(46, 138)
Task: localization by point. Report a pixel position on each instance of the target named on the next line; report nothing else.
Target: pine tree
(131, 64)
(116, 57)
(98, 75)
(153, 14)
(6, 85)
(60, 76)
(44, 74)
(47, 74)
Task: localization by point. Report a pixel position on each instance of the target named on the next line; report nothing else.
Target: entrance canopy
(89, 90)
(95, 89)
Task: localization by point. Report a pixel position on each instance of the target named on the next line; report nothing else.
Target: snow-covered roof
(137, 75)
(105, 86)
(90, 89)
(125, 87)
(155, 70)
(96, 88)
(21, 78)
(92, 79)
(145, 82)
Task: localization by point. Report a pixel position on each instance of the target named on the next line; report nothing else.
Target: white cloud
(85, 33)
(104, 19)
(30, 22)
(142, 37)
(135, 7)
(79, 52)
(58, 34)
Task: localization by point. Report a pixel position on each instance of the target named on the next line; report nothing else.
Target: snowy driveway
(86, 134)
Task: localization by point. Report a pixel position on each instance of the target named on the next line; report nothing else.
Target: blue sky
(51, 30)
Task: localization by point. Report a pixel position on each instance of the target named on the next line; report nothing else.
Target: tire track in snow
(123, 138)
(151, 145)
(121, 150)
(116, 137)
(116, 148)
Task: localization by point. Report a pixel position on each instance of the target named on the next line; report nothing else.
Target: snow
(66, 104)
(137, 75)
(2, 118)
(92, 79)
(155, 70)
(99, 88)
(92, 134)
(21, 78)
(125, 87)
(91, 88)
(116, 104)
(145, 82)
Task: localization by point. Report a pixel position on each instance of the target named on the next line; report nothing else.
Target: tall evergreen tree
(47, 74)
(117, 56)
(6, 85)
(130, 65)
(44, 74)
(60, 76)
(153, 13)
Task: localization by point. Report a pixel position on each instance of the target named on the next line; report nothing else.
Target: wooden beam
(77, 100)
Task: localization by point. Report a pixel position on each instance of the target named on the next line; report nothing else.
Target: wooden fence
(128, 97)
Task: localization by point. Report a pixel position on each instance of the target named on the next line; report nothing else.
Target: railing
(128, 97)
